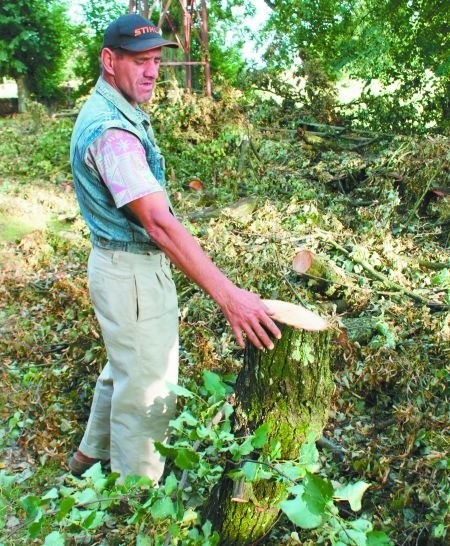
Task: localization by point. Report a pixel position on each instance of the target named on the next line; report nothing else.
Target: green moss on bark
(288, 388)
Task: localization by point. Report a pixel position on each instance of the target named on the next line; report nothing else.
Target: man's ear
(107, 58)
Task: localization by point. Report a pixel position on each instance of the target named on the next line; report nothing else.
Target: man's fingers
(270, 325)
(237, 331)
(254, 339)
(259, 336)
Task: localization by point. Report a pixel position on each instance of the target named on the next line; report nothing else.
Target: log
(320, 270)
(289, 389)
(241, 211)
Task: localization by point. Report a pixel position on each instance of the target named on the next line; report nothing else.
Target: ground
(389, 416)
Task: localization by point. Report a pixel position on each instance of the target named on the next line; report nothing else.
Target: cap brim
(145, 45)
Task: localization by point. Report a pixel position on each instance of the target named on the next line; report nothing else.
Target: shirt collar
(134, 114)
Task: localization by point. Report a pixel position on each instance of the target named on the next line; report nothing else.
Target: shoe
(79, 463)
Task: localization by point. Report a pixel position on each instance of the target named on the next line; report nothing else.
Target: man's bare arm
(244, 310)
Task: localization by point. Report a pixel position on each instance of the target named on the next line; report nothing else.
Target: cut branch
(387, 281)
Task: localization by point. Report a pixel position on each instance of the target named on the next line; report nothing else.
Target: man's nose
(151, 70)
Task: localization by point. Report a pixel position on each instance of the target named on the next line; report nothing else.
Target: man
(119, 180)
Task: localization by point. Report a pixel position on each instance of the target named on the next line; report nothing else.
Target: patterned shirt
(119, 158)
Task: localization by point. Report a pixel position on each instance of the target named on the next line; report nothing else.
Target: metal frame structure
(195, 16)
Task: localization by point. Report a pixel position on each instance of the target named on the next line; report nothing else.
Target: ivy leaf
(240, 450)
(352, 493)
(184, 458)
(170, 485)
(213, 384)
(31, 505)
(6, 481)
(179, 390)
(87, 496)
(34, 529)
(163, 508)
(309, 454)
(133, 481)
(378, 538)
(298, 511)
(166, 451)
(93, 519)
(185, 418)
(292, 471)
(96, 474)
(356, 537)
(65, 507)
(250, 470)
(55, 539)
(362, 525)
(318, 493)
(52, 494)
(260, 436)
(275, 449)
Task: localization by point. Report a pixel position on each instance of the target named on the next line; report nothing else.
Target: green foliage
(226, 62)
(307, 92)
(46, 156)
(200, 446)
(35, 41)
(198, 139)
(400, 44)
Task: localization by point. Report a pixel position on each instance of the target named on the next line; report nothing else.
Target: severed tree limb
(421, 198)
(435, 266)
(387, 281)
(242, 209)
(271, 4)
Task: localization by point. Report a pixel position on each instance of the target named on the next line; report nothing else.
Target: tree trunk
(288, 388)
(22, 94)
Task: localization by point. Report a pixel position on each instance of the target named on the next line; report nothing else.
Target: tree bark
(289, 388)
(22, 94)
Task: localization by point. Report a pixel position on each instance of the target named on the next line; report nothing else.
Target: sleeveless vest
(111, 227)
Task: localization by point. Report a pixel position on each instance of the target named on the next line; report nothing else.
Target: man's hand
(248, 315)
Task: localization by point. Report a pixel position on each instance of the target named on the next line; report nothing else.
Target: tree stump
(288, 388)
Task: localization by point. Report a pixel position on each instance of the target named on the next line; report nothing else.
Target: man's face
(132, 74)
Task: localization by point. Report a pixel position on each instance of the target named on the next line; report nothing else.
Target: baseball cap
(134, 33)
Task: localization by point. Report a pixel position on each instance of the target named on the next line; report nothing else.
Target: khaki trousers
(135, 302)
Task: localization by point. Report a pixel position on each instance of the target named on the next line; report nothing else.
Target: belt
(126, 246)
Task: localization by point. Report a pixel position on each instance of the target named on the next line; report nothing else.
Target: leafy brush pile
(260, 199)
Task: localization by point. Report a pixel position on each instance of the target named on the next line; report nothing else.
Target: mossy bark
(22, 94)
(289, 388)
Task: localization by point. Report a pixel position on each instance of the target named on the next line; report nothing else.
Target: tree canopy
(403, 44)
(35, 41)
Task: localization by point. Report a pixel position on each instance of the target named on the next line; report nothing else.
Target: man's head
(134, 33)
(131, 55)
